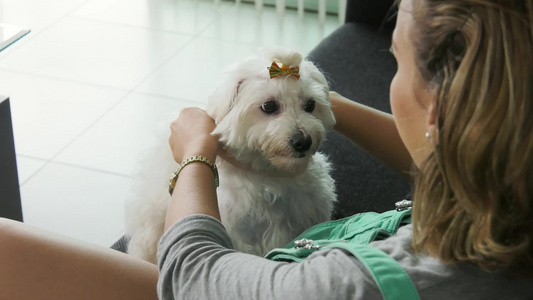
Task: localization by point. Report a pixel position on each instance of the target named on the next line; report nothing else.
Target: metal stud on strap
(306, 244)
(403, 205)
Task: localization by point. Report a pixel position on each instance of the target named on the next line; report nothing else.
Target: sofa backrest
(375, 12)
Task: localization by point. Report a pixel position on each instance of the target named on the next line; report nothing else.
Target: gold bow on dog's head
(275, 71)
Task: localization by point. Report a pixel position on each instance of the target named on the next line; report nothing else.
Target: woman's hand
(371, 129)
(336, 105)
(191, 135)
(195, 190)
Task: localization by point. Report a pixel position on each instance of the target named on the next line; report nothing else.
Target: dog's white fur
(272, 193)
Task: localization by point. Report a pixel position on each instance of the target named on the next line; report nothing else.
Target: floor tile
(27, 167)
(95, 52)
(78, 203)
(243, 23)
(116, 141)
(192, 74)
(183, 16)
(48, 114)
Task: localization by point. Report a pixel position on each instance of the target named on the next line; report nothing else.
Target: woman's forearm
(35, 264)
(196, 262)
(372, 130)
(194, 193)
(195, 189)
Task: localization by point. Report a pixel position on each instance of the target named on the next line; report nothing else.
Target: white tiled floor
(90, 83)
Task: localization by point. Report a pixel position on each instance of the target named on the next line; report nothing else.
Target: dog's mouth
(291, 154)
(299, 155)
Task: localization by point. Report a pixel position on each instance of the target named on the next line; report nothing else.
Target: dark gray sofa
(359, 66)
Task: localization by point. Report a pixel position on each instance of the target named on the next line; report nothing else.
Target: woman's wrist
(210, 155)
(207, 149)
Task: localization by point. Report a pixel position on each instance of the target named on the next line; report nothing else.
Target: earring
(428, 135)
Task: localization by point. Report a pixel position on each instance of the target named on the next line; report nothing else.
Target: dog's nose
(300, 142)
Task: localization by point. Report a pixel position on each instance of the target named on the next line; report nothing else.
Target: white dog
(272, 113)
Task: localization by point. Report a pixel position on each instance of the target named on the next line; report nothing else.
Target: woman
(461, 101)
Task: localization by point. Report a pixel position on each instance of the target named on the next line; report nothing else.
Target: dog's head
(273, 124)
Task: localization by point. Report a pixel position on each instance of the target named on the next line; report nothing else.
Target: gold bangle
(196, 158)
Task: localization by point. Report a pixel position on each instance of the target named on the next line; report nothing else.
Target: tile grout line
(58, 79)
(133, 26)
(180, 99)
(46, 161)
(21, 184)
(92, 169)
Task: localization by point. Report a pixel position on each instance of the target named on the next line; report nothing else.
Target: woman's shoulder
(435, 280)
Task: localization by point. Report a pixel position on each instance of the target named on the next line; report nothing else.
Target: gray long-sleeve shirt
(196, 262)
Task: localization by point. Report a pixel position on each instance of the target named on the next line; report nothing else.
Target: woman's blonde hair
(473, 195)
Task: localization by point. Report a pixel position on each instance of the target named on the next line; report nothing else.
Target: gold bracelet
(196, 158)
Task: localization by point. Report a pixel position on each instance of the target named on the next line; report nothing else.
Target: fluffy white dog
(272, 112)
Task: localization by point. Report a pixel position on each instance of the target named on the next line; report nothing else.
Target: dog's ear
(221, 102)
(314, 72)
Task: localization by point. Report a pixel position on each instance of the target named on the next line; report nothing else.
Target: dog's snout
(301, 143)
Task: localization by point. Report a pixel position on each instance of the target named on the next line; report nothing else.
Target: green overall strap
(353, 234)
(391, 279)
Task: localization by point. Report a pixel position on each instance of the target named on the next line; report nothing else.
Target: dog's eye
(309, 106)
(270, 107)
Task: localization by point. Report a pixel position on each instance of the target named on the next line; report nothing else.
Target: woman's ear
(431, 113)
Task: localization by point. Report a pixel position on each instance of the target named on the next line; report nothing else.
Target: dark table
(10, 204)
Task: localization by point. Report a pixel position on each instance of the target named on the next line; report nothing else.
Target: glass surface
(10, 34)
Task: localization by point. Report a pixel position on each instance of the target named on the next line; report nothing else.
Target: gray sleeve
(196, 262)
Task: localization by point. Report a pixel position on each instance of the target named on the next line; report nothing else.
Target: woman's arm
(196, 262)
(372, 130)
(36, 264)
(195, 190)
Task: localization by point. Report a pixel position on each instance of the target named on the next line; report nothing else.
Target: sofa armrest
(373, 12)
(10, 204)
